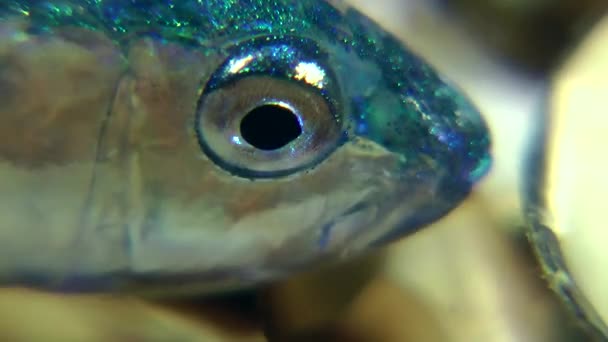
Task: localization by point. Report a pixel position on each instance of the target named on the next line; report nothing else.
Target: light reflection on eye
(311, 73)
(237, 140)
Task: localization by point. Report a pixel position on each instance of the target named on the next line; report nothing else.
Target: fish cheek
(172, 175)
(332, 204)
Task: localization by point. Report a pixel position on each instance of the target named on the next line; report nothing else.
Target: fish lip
(425, 215)
(324, 240)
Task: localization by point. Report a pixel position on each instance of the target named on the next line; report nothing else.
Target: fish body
(147, 142)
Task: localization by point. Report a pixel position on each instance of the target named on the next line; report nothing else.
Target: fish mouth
(380, 219)
(344, 221)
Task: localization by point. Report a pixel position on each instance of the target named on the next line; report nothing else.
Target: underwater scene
(323, 170)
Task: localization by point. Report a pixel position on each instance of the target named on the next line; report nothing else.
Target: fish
(216, 145)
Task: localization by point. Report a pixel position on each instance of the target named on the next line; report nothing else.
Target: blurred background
(472, 276)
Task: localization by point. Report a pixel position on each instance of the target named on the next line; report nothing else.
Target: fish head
(234, 142)
(283, 150)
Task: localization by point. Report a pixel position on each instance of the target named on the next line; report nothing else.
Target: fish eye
(271, 109)
(270, 126)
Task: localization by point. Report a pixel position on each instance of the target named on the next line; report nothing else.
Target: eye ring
(260, 115)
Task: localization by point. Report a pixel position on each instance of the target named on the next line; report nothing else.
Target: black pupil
(270, 127)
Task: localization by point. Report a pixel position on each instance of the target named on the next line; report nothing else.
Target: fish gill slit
(90, 195)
